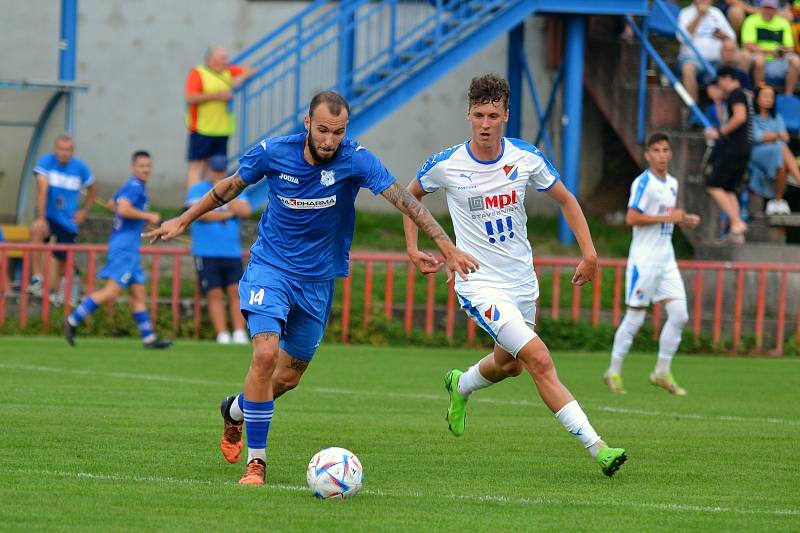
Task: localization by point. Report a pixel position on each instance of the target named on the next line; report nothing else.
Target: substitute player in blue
(217, 251)
(303, 245)
(124, 268)
(59, 179)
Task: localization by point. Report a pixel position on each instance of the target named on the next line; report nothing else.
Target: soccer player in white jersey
(652, 274)
(485, 180)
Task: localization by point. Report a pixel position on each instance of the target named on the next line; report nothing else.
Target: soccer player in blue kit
(124, 268)
(303, 245)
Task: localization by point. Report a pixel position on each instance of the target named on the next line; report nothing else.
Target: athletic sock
(576, 422)
(670, 337)
(235, 412)
(472, 380)
(623, 338)
(257, 417)
(145, 326)
(79, 314)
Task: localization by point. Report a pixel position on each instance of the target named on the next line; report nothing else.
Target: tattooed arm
(222, 193)
(417, 215)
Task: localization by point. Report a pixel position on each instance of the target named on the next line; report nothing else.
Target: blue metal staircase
(376, 53)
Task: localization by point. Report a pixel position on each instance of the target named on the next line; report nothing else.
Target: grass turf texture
(109, 436)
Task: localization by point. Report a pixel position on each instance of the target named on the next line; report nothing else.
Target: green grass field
(108, 436)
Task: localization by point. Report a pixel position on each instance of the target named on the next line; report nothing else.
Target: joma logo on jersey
(496, 201)
(308, 203)
(290, 179)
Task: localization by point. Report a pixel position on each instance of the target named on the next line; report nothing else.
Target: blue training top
(63, 188)
(214, 239)
(126, 233)
(308, 228)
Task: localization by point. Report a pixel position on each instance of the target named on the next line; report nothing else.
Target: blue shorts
(201, 147)
(218, 272)
(298, 311)
(62, 235)
(123, 267)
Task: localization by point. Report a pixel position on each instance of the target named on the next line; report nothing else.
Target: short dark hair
(727, 72)
(333, 100)
(139, 153)
(488, 89)
(656, 137)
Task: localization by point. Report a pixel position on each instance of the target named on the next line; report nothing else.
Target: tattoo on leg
(266, 336)
(298, 365)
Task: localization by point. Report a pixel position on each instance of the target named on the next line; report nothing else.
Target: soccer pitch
(108, 436)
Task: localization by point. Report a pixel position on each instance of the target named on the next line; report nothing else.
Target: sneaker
(784, 208)
(457, 410)
(157, 344)
(231, 443)
(667, 382)
(610, 459)
(614, 382)
(255, 473)
(223, 338)
(772, 208)
(69, 331)
(239, 337)
(36, 286)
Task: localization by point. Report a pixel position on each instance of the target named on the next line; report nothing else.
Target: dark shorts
(62, 235)
(201, 147)
(727, 171)
(218, 272)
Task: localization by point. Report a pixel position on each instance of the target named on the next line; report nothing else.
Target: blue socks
(145, 326)
(79, 314)
(257, 417)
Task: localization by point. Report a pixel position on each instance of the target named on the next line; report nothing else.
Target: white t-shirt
(703, 36)
(652, 243)
(486, 204)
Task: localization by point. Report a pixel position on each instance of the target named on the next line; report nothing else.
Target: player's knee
(265, 358)
(635, 317)
(512, 368)
(537, 358)
(677, 312)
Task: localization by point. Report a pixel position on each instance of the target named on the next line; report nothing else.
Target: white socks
(472, 380)
(576, 422)
(623, 338)
(670, 339)
(235, 411)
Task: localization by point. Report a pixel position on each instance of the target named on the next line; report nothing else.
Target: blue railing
(360, 48)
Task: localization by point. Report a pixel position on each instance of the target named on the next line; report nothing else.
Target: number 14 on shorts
(257, 297)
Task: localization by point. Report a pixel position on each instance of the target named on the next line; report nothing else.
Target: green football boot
(666, 381)
(610, 459)
(457, 410)
(614, 382)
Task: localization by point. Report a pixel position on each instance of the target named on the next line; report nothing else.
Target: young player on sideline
(485, 180)
(303, 245)
(652, 274)
(124, 268)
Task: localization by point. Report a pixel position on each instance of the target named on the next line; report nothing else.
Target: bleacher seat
(789, 109)
(659, 23)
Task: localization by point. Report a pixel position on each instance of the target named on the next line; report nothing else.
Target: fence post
(409, 316)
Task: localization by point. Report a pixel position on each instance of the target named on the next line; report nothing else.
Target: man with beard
(303, 245)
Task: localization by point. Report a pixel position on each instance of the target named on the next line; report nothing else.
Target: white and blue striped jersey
(486, 202)
(652, 243)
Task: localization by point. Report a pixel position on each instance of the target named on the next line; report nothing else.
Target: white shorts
(652, 282)
(508, 315)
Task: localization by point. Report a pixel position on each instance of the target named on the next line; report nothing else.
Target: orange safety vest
(212, 118)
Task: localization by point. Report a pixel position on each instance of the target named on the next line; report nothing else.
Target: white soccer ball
(334, 473)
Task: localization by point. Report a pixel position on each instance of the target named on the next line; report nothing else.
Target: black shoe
(158, 344)
(69, 331)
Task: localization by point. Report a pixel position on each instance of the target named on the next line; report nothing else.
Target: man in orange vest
(209, 117)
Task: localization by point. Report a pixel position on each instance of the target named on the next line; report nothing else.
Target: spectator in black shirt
(731, 152)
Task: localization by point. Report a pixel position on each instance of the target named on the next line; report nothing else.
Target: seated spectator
(738, 10)
(707, 28)
(768, 38)
(770, 159)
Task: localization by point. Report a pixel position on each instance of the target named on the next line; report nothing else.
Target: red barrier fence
(740, 299)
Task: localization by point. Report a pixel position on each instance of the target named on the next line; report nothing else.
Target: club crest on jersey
(327, 177)
(511, 172)
(493, 313)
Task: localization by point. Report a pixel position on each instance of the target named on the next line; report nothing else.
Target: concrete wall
(135, 55)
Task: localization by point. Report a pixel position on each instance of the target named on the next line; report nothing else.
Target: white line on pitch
(416, 494)
(403, 395)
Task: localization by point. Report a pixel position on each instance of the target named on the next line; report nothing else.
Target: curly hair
(488, 89)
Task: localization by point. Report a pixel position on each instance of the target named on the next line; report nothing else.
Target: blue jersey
(63, 188)
(214, 239)
(307, 230)
(127, 232)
